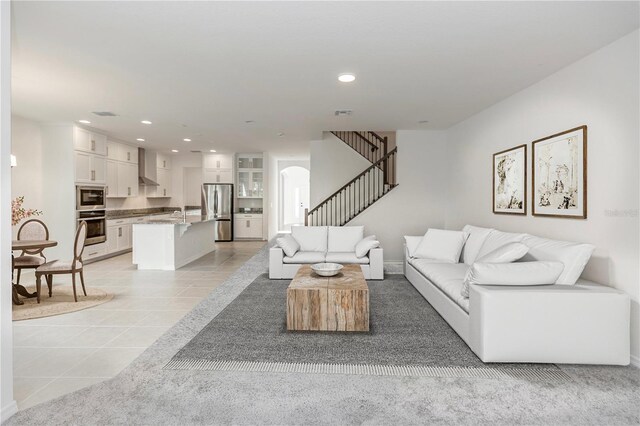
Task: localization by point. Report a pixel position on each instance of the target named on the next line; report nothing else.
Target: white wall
(411, 208)
(8, 405)
(333, 164)
(600, 91)
(275, 165)
(26, 178)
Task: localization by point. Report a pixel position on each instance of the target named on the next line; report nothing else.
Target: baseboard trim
(8, 410)
(544, 374)
(635, 361)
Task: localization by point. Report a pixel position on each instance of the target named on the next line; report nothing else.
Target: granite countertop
(179, 220)
(128, 213)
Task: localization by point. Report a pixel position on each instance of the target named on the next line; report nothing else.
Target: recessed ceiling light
(140, 140)
(212, 150)
(346, 78)
(186, 140)
(84, 121)
(145, 122)
(174, 150)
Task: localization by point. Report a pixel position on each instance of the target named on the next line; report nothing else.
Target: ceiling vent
(196, 151)
(343, 112)
(105, 113)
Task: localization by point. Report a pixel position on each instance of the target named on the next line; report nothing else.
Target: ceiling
(200, 70)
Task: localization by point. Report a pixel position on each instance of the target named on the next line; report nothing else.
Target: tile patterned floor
(60, 354)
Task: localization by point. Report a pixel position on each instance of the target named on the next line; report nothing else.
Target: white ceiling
(200, 70)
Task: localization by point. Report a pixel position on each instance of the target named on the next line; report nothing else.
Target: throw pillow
(412, 244)
(288, 244)
(515, 274)
(366, 244)
(441, 245)
(506, 254)
(474, 243)
(574, 256)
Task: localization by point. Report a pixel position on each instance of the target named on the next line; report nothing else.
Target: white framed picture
(559, 175)
(510, 181)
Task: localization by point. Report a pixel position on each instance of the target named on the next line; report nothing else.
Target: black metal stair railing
(370, 145)
(357, 195)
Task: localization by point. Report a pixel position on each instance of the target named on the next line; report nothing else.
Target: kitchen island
(168, 244)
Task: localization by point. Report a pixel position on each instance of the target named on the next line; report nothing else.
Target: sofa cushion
(288, 244)
(497, 239)
(310, 238)
(448, 277)
(366, 244)
(346, 258)
(412, 243)
(574, 256)
(512, 274)
(344, 238)
(506, 254)
(441, 245)
(474, 242)
(305, 257)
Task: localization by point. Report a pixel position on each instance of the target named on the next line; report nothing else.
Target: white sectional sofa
(326, 244)
(582, 323)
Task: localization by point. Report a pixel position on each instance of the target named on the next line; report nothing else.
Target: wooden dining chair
(32, 229)
(72, 267)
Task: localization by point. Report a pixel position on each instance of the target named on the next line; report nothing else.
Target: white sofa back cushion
(574, 256)
(288, 244)
(505, 254)
(412, 242)
(366, 244)
(310, 238)
(343, 239)
(441, 245)
(472, 247)
(516, 274)
(497, 239)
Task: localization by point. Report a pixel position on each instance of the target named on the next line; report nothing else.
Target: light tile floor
(57, 355)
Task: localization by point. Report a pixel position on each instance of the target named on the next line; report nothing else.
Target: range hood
(147, 172)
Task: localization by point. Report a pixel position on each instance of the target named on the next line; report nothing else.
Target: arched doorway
(294, 197)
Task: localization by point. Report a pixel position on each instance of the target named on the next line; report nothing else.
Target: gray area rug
(146, 394)
(405, 330)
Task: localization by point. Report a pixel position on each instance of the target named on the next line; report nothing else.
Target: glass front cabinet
(250, 182)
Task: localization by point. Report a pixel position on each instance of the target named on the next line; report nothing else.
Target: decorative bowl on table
(326, 269)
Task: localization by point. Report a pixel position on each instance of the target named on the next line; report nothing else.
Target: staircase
(363, 190)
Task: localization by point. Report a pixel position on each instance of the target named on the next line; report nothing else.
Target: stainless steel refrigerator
(217, 203)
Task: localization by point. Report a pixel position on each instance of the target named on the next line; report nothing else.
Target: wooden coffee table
(338, 303)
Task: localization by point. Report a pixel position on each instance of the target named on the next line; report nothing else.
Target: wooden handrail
(374, 165)
(366, 140)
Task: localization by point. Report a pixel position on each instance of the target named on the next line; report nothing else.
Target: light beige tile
(94, 337)
(196, 292)
(56, 388)
(162, 318)
(23, 387)
(106, 362)
(124, 318)
(54, 362)
(138, 337)
(87, 317)
(51, 337)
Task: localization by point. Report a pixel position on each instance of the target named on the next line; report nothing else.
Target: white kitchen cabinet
(217, 161)
(122, 152)
(217, 176)
(250, 184)
(112, 179)
(250, 161)
(94, 251)
(113, 150)
(163, 162)
(118, 235)
(90, 168)
(127, 186)
(86, 141)
(247, 226)
(164, 185)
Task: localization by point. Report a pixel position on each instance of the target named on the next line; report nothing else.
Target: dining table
(18, 289)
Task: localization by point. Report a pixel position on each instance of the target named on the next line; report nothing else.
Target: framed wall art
(559, 175)
(510, 181)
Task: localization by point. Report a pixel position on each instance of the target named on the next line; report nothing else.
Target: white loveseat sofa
(326, 244)
(583, 323)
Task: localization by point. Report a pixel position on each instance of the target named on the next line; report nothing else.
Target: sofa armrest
(376, 263)
(578, 324)
(276, 257)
